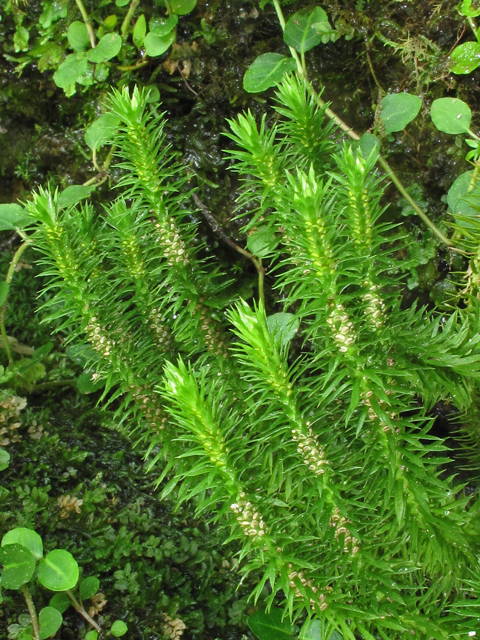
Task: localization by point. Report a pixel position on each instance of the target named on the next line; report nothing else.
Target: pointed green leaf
(18, 565)
(27, 538)
(399, 500)
(108, 47)
(50, 620)
(139, 31)
(398, 109)
(300, 32)
(451, 115)
(58, 571)
(266, 71)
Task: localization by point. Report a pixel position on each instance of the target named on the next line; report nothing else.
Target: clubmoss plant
(303, 427)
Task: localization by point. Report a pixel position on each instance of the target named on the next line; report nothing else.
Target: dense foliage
(318, 456)
(296, 422)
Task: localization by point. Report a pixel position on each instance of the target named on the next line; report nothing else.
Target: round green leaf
(156, 45)
(153, 94)
(60, 601)
(283, 326)
(50, 620)
(462, 201)
(18, 565)
(451, 115)
(163, 26)
(89, 587)
(58, 571)
(311, 630)
(262, 241)
(467, 10)
(27, 538)
(70, 70)
(182, 7)
(73, 194)
(108, 47)
(466, 57)
(266, 71)
(100, 131)
(139, 31)
(270, 626)
(398, 109)
(77, 35)
(110, 21)
(369, 145)
(121, 3)
(300, 32)
(87, 383)
(4, 459)
(91, 635)
(118, 628)
(13, 216)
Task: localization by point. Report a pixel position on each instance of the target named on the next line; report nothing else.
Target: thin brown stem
(82, 611)
(221, 233)
(87, 22)
(372, 71)
(32, 611)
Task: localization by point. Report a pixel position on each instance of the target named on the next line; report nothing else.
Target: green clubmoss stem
(3, 307)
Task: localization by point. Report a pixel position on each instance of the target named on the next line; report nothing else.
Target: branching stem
(220, 232)
(82, 611)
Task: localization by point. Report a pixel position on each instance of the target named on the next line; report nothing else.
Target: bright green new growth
(313, 447)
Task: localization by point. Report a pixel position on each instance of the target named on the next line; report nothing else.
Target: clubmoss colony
(317, 457)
